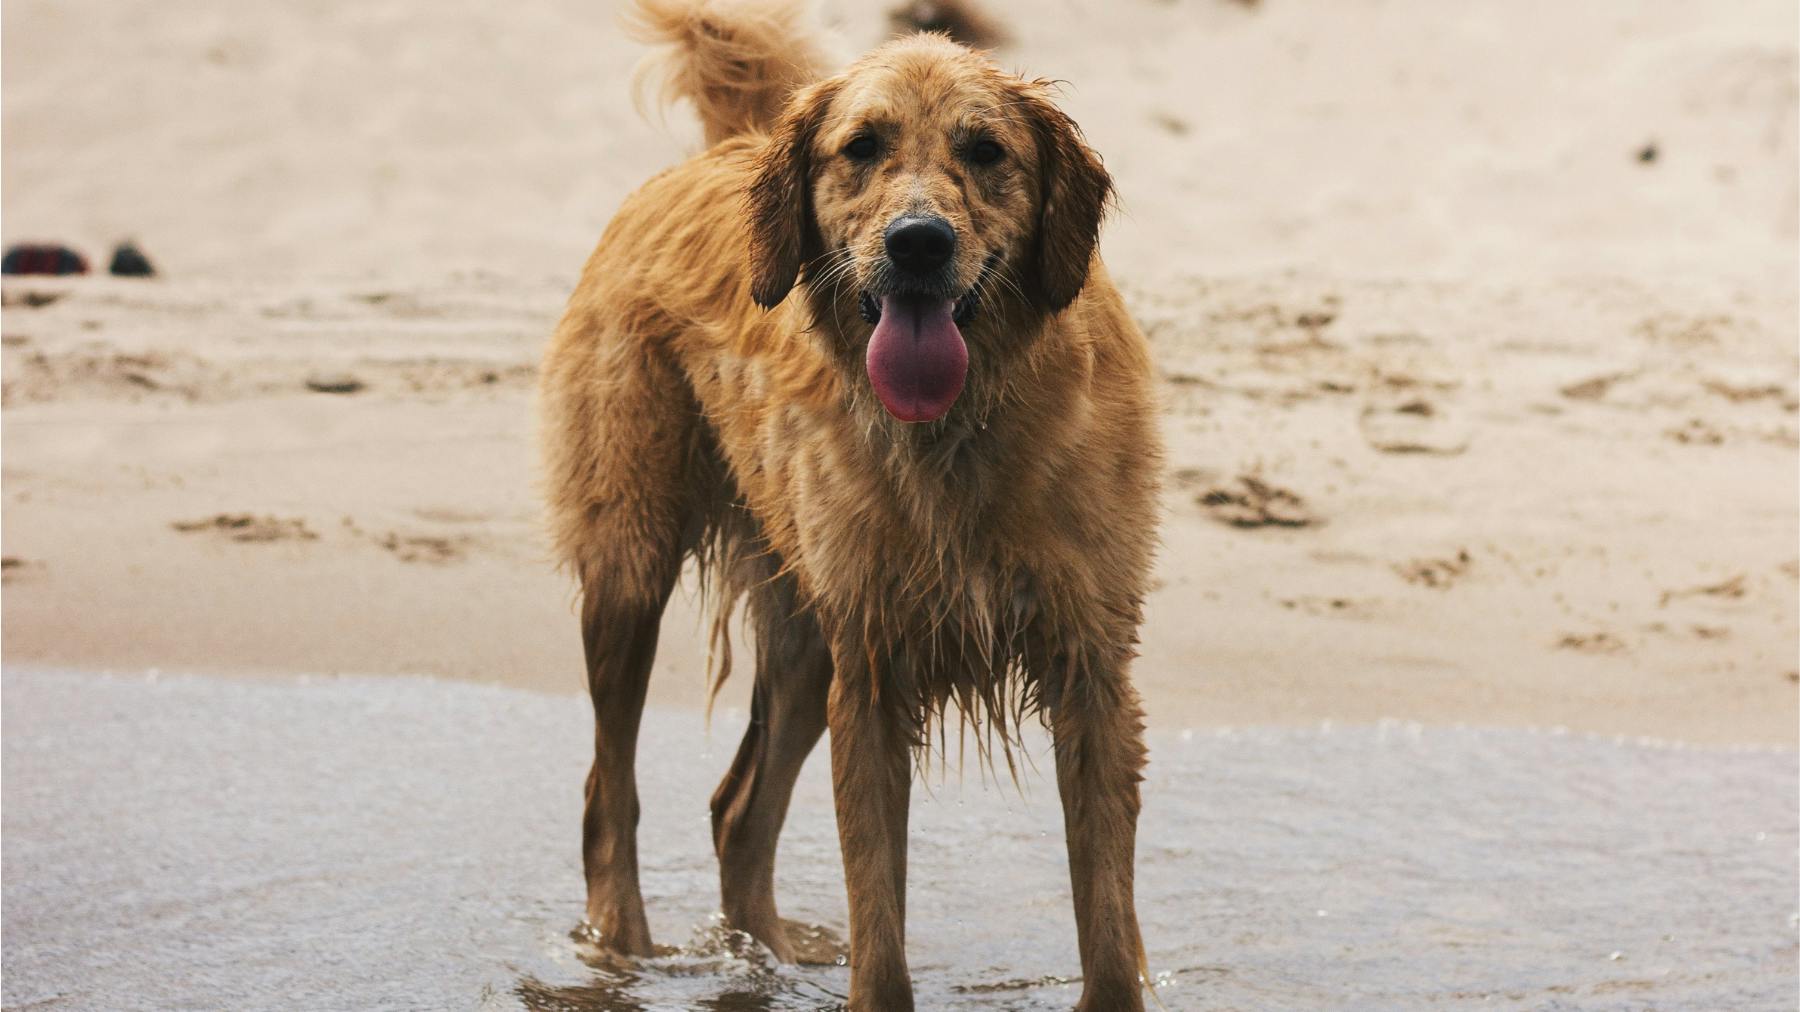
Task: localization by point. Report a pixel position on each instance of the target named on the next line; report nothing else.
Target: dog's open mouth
(917, 360)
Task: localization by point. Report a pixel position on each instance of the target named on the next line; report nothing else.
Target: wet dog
(861, 361)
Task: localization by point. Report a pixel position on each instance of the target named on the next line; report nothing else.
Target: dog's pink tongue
(917, 359)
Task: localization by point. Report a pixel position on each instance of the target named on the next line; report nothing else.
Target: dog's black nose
(920, 245)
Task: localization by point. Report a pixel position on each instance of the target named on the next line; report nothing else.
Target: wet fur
(704, 397)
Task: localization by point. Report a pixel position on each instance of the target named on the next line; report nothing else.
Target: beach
(1536, 397)
(1477, 334)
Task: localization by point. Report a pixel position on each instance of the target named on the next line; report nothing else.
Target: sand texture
(1476, 325)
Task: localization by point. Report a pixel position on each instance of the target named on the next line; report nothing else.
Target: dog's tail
(736, 60)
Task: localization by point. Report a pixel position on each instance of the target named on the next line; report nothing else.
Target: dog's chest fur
(952, 545)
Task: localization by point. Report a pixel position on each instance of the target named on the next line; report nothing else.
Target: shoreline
(728, 718)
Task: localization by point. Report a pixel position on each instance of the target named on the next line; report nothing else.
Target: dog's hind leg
(787, 717)
(619, 639)
(626, 467)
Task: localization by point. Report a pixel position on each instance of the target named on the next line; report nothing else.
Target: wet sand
(184, 842)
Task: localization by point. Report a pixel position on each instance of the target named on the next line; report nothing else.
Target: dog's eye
(862, 147)
(986, 153)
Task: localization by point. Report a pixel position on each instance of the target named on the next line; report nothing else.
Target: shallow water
(410, 844)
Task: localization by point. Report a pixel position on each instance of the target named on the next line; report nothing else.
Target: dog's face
(913, 189)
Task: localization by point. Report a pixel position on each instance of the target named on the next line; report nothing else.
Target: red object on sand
(45, 258)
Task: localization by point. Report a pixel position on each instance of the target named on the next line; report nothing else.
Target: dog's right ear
(782, 232)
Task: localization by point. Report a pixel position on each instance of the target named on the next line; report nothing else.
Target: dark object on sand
(962, 20)
(42, 258)
(130, 262)
(1647, 154)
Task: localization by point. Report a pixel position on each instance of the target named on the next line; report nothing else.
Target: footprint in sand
(1675, 330)
(1412, 426)
(1336, 607)
(424, 548)
(1601, 642)
(1594, 388)
(1697, 432)
(1748, 390)
(1438, 574)
(1251, 502)
(1695, 631)
(249, 527)
(334, 383)
(1193, 477)
(427, 548)
(1725, 590)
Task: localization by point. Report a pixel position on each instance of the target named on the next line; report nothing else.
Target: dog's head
(918, 189)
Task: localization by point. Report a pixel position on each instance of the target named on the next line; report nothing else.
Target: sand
(1476, 324)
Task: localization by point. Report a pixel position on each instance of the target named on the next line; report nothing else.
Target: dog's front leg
(1098, 726)
(871, 779)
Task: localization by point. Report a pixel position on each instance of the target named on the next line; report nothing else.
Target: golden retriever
(861, 361)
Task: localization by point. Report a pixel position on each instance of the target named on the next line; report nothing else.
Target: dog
(860, 360)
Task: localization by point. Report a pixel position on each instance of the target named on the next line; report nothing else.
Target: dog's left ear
(782, 232)
(1075, 193)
